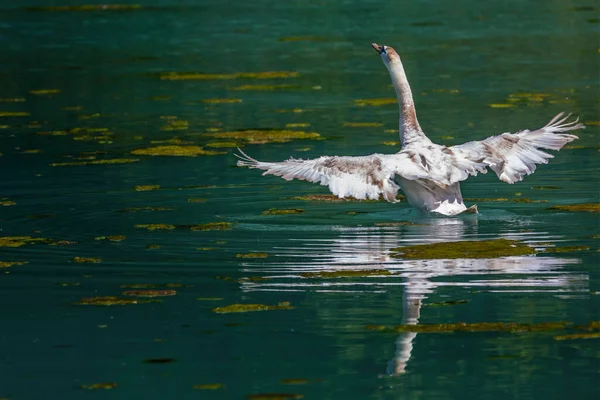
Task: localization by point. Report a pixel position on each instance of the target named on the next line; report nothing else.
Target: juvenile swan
(429, 174)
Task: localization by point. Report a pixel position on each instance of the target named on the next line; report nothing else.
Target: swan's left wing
(512, 156)
(365, 177)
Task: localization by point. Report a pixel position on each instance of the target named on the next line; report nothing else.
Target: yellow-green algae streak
(588, 207)
(240, 308)
(464, 249)
(261, 136)
(174, 150)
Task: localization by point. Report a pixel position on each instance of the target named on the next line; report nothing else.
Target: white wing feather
(365, 177)
(512, 156)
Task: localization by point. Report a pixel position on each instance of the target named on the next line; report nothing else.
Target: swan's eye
(383, 48)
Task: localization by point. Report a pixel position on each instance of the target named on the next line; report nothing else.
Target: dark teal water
(534, 59)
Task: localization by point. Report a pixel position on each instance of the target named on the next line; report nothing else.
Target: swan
(429, 174)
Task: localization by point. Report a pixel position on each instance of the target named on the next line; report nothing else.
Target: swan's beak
(377, 48)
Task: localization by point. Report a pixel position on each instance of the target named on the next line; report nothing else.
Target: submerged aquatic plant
(588, 207)
(261, 136)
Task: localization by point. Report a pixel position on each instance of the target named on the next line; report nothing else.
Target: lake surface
(83, 218)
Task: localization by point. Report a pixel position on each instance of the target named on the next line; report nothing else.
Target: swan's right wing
(513, 155)
(365, 177)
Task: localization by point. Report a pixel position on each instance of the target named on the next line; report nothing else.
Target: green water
(535, 59)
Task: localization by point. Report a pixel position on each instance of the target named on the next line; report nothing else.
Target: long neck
(410, 130)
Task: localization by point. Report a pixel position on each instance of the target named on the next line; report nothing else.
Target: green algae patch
(156, 227)
(6, 203)
(146, 188)
(587, 207)
(575, 336)
(512, 327)
(209, 386)
(363, 124)
(101, 385)
(261, 136)
(277, 211)
(565, 249)
(464, 249)
(14, 114)
(545, 187)
(18, 241)
(486, 199)
(221, 145)
(174, 150)
(242, 308)
(149, 293)
(96, 162)
(375, 102)
(111, 301)
(197, 200)
(252, 255)
(114, 238)
(179, 76)
(8, 264)
(221, 101)
(210, 226)
(346, 273)
(174, 124)
(45, 92)
(87, 260)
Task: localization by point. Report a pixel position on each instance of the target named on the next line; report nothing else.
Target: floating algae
(252, 255)
(260, 136)
(375, 102)
(6, 203)
(588, 207)
(566, 249)
(276, 211)
(156, 227)
(240, 308)
(294, 381)
(220, 145)
(146, 188)
(210, 226)
(595, 335)
(96, 162)
(87, 260)
(346, 273)
(149, 293)
(41, 92)
(146, 208)
(101, 385)
(111, 301)
(114, 238)
(464, 249)
(18, 241)
(8, 264)
(175, 125)
(474, 327)
(209, 386)
(174, 150)
(221, 101)
(14, 114)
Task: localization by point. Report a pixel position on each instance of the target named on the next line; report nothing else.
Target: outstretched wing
(358, 177)
(513, 155)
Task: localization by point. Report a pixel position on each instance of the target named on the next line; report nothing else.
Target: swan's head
(388, 54)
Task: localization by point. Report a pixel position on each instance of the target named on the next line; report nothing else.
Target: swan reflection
(368, 249)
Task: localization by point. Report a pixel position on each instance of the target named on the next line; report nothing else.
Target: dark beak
(377, 48)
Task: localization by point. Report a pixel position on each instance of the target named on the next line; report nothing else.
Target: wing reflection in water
(365, 249)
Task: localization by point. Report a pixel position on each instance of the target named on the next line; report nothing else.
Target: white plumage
(429, 174)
